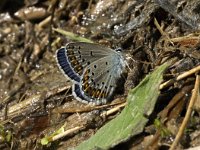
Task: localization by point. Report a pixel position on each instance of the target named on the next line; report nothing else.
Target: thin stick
(115, 109)
(167, 83)
(161, 31)
(188, 73)
(188, 113)
(67, 132)
(180, 39)
(85, 109)
(180, 77)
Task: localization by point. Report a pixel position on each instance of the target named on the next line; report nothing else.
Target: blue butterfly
(93, 69)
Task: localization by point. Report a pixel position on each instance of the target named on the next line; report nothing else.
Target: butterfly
(93, 69)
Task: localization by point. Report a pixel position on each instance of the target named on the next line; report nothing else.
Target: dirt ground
(36, 99)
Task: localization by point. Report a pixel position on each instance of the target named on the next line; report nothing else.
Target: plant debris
(37, 110)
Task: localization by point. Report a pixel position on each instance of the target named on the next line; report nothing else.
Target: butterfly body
(93, 69)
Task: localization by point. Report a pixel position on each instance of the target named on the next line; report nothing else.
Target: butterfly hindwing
(99, 78)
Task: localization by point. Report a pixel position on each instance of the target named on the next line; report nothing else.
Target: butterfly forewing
(65, 65)
(86, 53)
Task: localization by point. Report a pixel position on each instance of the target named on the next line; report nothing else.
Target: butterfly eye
(95, 66)
(118, 49)
(106, 63)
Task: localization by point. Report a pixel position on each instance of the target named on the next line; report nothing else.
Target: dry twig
(188, 113)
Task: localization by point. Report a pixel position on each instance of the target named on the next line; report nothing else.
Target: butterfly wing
(75, 57)
(99, 79)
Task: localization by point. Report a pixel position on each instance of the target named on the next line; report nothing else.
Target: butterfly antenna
(128, 66)
(138, 61)
(128, 60)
